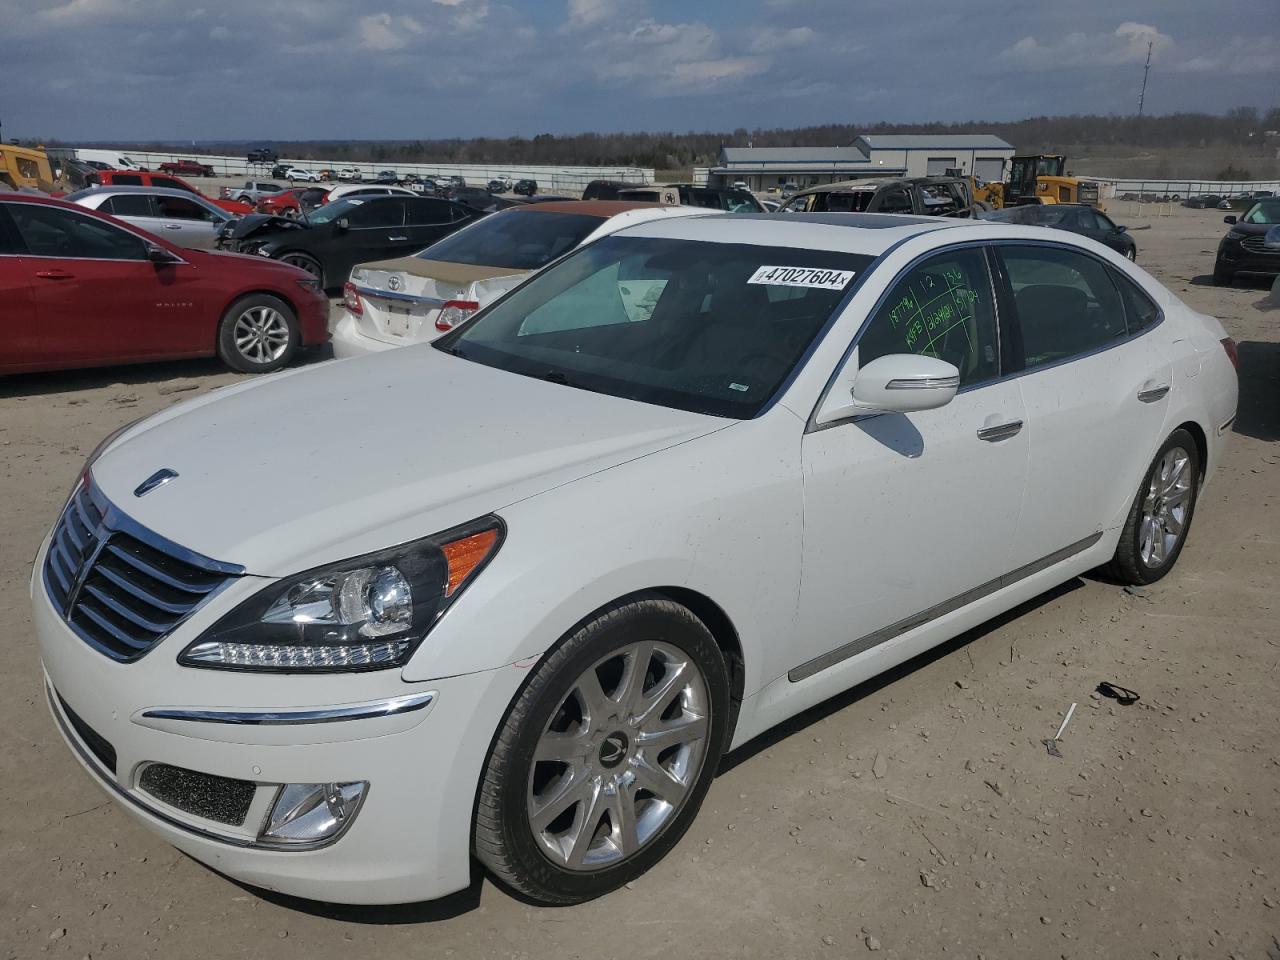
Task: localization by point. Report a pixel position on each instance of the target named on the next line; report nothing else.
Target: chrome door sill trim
(306, 715)
(885, 634)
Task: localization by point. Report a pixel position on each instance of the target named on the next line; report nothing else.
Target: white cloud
(584, 13)
(1238, 56)
(382, 31)
(219, 33)
(1127, 44)
(766, 41)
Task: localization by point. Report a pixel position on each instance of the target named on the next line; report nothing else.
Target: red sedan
(289, 203)
(82, 289)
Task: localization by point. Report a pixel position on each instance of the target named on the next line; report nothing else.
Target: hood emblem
(393, 283)
(157, 479)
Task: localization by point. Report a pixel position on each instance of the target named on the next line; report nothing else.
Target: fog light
(308, 813)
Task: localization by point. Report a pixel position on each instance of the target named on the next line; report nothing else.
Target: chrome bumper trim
(352, 711)
(1227, 426)
(406, 297)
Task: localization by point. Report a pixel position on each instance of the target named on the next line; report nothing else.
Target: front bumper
(409, 841)
(1235, 257)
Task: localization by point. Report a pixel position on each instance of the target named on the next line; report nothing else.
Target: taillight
(454, 312)
(351, 299)
(1233, 354)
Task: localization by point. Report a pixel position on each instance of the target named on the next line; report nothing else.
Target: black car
(1202, 201)
(496, 186)
(525, 188)
(334, 238)
(1245, 249)
(730, 199)
(922, 196)
(476, 199)
(605, 189)
(262, 155)
(1075, 217)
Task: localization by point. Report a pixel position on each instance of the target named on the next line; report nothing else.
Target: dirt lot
(916, 817)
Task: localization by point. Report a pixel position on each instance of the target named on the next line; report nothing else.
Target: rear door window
(895, 200)
(128, 205)
(169, 182)
(10, 242)
(943, 308)
(1066, 302)
(426, 211)
(55, 232)
(1140, 310)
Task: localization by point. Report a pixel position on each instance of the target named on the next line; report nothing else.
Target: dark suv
(262, 155)
(1245, 249)
(923, 196)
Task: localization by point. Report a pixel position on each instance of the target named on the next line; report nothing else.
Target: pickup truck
(251, 192)
(188, 168)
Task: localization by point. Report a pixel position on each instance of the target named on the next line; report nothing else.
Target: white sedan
(509, 596)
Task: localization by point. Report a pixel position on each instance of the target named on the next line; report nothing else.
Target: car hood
(1250, 229)
(260, 224)
(332, 461)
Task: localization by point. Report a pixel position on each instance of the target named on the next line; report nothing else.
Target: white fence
(551, 179)
(1118, 187)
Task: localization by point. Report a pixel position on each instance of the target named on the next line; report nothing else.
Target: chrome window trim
(118, 224)
(927, 383)
(992, 243)
(929, 614)
(373, 709)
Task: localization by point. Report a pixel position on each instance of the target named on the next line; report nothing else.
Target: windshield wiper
(556, 376)
(457, 352)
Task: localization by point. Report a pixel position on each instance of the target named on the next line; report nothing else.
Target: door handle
(54, 275)
(1001, 431)
(173, 226)
(397, 238)
(1152, 394)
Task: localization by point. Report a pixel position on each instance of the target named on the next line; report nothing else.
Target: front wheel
(1132, 253)
(1222, 277)
(258, 334)
(606, 754)
(1158, 523)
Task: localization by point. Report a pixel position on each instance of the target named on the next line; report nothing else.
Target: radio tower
(1146, 71)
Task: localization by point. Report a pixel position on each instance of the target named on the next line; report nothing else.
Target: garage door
(938, 166)
(990, 169)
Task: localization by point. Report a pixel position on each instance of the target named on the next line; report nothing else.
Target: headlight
(1236, 234)
(367, 613)
(263, 252)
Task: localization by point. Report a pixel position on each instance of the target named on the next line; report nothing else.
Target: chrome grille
(1259, 245)
(122, 588)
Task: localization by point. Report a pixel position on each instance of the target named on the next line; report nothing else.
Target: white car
(297, 173)
(366, 190)
(349, 174)
(509, 596)
(394, 303)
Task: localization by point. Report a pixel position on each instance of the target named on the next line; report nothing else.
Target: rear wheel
(309, 264)
(1158, 522)
(258, 333)
(606, 754)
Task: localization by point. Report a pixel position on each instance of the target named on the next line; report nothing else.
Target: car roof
(865, 233)
(589, 208)
(109, 188)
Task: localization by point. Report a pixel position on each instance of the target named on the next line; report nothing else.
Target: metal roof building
(871, 155)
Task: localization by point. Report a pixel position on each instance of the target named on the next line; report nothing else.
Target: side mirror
(1121, 228)
(1231, 219)
(896, 383)
(343, 224)
(158, 255)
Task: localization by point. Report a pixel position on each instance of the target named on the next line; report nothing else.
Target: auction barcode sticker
(803, 277)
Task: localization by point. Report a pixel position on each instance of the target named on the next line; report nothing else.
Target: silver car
(186, 219)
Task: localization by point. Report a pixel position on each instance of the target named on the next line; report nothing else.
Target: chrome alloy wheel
(619, 756)
(261, 334)
(1165, 509)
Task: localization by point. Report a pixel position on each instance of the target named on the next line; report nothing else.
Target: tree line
(668, 150)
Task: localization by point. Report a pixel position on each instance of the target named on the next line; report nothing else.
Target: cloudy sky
(310, 69)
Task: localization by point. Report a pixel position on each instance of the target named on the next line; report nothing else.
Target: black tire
(1128, 565)
(504, 840)
(243, 360)
(1132, 253)
(304, 262)
(1222, 277)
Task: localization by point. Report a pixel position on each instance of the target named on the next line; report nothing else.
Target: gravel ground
(916, 816)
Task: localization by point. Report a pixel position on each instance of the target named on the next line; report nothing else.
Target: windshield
(710, 327)
(334, 211)
(520, 239)
(1267, 211)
